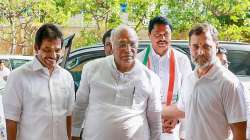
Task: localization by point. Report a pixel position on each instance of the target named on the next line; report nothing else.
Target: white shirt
(160, 65)
(38, 102)
(121, 106)
(5, 72)
(211, 103)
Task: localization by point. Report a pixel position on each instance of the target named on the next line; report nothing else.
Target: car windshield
(239, 62)
(15, 63)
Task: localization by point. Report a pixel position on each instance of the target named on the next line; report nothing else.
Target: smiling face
(160, 37)
(49, 53)
(125, 50)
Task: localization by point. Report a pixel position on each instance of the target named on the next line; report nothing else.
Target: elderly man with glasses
(118, 96)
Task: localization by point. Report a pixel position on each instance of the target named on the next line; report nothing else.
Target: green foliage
(22, 17)
(230, 17)
(87, 38)
(140, 11)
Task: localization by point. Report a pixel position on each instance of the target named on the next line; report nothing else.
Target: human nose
(200, 51)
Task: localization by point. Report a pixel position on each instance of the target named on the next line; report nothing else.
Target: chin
(128, 63)
(51, 65)
(162, 46)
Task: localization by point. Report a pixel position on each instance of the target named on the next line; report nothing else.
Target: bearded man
(212, 97)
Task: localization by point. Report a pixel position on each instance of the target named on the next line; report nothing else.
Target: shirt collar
(155, 55)
(125, 74)
(37, 65)
(211, 74)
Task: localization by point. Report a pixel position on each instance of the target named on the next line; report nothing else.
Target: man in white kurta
(212, 97)
(158, 60)
(118, 104)
(40, 94)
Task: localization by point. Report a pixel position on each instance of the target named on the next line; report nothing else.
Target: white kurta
(38, 102)
(211, 103)
(121, 106)
(160, 65)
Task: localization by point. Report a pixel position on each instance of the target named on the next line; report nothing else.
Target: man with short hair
(212, 97)
(107, 43)
(169, 64)
(118, 96)
(40, 94)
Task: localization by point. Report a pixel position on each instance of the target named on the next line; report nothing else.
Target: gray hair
(120, 30)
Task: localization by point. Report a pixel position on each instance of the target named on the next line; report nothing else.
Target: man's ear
(36, 49)
(189, 45)
(149, 35)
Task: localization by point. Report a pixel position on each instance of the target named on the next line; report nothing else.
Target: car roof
(7, 57)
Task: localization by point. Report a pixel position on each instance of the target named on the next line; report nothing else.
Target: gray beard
(212, 61)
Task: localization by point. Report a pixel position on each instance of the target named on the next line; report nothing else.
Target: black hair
(159, 20)
(47, 31)
(202, 28)
(106, 35)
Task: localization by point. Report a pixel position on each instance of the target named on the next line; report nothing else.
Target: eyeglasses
(124, 45)
(160, 35)
(222, 50)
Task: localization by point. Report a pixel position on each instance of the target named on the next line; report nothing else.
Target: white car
(14, 61)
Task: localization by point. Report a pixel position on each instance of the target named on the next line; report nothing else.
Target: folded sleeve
(13, 99)
(233, 98)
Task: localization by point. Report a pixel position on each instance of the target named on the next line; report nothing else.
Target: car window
(239, 62)
(7, 64)
(15, 63)
(75, 65)
(66, 47)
